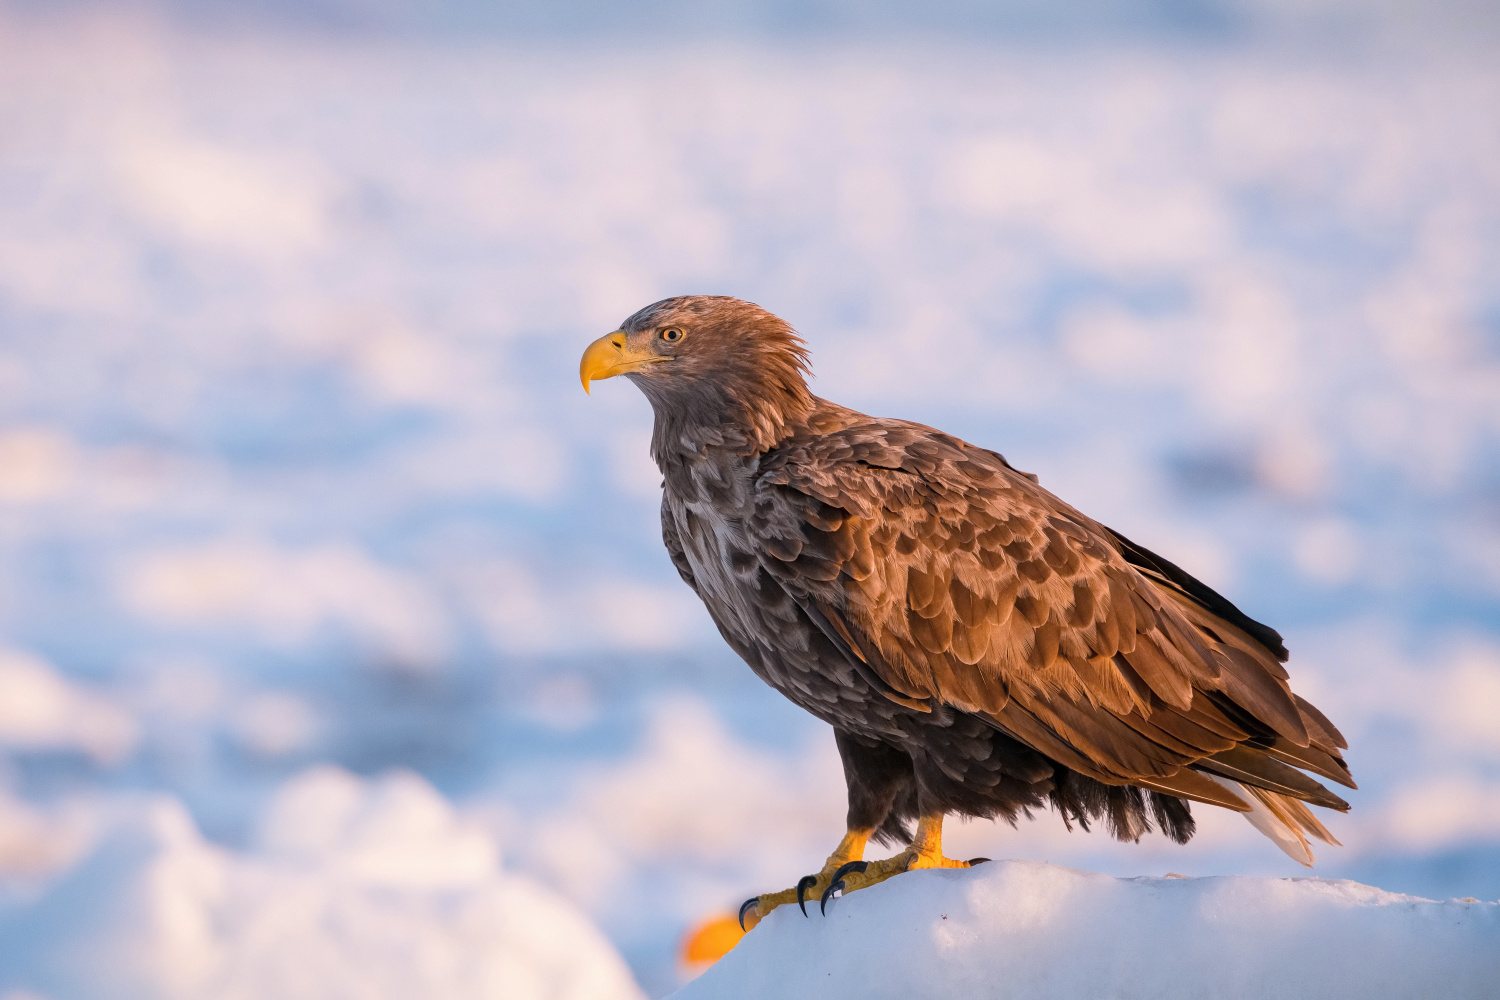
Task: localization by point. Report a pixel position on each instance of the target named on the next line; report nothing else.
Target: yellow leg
(845, 870)
(924, 851)
(851, 848)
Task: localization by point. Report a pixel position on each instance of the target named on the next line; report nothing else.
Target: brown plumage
(978, 645)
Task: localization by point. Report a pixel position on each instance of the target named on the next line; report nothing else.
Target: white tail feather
(1286, 821)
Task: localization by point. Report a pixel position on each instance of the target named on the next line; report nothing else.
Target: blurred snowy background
(339, 655)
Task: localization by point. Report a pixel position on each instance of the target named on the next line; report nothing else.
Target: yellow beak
(611, 355)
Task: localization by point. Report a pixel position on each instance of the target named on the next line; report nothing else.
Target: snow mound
(357, 889)
(1034, 931)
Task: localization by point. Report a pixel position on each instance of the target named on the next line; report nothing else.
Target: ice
(1034, 931)
(358, 889)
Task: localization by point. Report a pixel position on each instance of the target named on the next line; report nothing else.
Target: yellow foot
(757, 908)
(808, 888)
(844, 872)
(862, 875)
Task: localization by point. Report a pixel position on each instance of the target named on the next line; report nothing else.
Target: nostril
(618, 340)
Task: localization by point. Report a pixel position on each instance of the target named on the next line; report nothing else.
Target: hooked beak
(611, 355)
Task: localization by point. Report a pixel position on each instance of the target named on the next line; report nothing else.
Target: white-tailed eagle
(978, 646)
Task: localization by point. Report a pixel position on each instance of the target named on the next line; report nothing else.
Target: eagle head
(713, 366)
(708, 359)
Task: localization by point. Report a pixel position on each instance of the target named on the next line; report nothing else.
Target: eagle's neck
(719, 423)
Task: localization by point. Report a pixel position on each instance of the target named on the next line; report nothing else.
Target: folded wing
(947, 577)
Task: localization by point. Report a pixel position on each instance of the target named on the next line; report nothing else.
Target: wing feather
(1243, 764)
(949, 578)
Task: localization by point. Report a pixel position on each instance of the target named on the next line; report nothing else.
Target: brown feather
(1183, 729)
(1044, 648)
(1206, 713)
(1317, 723)
(1019, 723)
(1309, 758)
(1245, 765)
(1190, 785)
(1245, 680)
(934, 634)
(1106, 686)
(1082, 612)
(1032, 609)
(1163, 678)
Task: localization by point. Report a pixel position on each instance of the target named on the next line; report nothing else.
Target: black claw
(745, 906)
(837, 885)
(804, 883)
(977, 861)
(850, 866)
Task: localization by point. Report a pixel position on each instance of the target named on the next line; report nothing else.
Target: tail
(1287, 821)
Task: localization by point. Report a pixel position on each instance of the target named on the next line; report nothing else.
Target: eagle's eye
(672, 335)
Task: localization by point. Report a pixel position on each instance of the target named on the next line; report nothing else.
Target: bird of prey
(978, 646)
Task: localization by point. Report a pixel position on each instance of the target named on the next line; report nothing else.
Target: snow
(355, 889)
(1034, 931)
(295, 469)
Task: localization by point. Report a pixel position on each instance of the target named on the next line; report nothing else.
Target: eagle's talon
(849, 866)
(747, 904)
(837, 886)
(804, 883)
(976, 861)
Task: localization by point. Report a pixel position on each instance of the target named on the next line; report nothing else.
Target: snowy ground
(295, 470)
(352, 889)
(1036, 931)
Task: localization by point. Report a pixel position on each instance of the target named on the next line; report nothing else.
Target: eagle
(979, 647)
